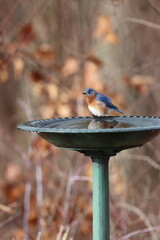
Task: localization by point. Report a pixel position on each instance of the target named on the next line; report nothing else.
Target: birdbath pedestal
(100, 138)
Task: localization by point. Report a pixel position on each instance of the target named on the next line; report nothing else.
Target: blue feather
(102, 97)
(117, 110)
(107, 101)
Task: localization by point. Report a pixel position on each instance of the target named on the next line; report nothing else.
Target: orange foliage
(45, 54)
(71, 66)
(27, 34)
(140, 83)
(104, 31)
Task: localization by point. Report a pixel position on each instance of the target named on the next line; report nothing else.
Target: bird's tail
(117, 110)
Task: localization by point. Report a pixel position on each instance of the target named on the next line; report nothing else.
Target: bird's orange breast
(90, 99)
(98, 108)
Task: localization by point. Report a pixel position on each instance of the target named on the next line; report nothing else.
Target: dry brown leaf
(18, 65)
(138, 80)
(103, 26)
(94, 60)
(4, 75)
(141, 83)
(52, 91)
(88, 171)
(11, 48)
(45, 54)
(37, 76)
(85, 228)
(19, 234)
(14, 192)
(64, 97)
(33, 214)
(70, 67)
(104, 31)
(63, 110)
(47, 110)
(27, 33)
(41, 147)
(13, 173)
(36, 89)
(91, 77)
(111, 38)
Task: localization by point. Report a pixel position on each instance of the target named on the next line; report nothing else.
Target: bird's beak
(84, 93)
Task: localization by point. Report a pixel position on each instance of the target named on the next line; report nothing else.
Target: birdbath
(100, 138)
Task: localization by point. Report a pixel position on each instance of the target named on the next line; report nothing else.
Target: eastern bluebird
(98, 104)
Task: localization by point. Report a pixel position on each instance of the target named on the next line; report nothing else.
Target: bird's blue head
(90, 92)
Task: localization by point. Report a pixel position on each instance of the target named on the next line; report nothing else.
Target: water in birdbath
(87, 123)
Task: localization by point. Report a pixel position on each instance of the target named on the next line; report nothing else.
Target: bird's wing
(107, 102)
(102, 97)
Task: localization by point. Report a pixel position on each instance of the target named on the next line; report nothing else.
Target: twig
(142, 22)
(66, 233)
(29, 17)
(140, 231)
(63, 233)
(39, 236)
(71, 180)
(26, 108)
(80, 178)
(27, 209)
(67, 197)
(141, 215)
(8, 16)
(60, 233)
(154, 149)
(10, 219)
(146, 159)
(155, 9)
(6, 209)
(39, 194)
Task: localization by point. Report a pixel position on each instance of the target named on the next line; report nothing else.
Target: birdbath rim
(36, 125)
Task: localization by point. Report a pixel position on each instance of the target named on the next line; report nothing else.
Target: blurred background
(50, 52)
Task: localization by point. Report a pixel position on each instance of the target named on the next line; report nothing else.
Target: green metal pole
(101, 198)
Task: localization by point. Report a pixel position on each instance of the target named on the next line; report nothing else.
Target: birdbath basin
(98, 138)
